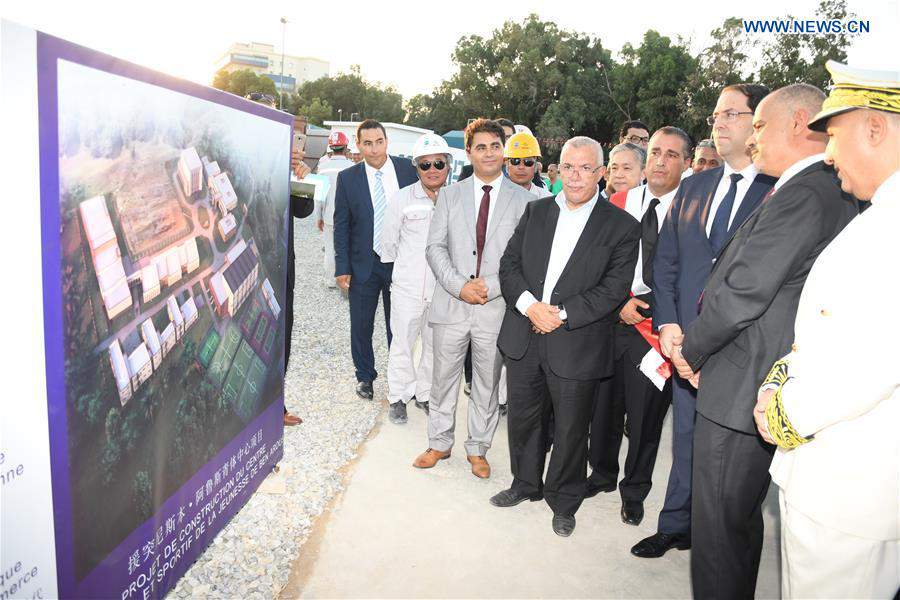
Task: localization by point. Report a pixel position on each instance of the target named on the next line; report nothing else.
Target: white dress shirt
(796, 168)
(478, 192)
(636, 205)
(388, 180)
(748, 174)
(569, 228)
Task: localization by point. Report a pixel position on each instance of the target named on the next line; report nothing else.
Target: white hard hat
(521, 128)
(352, 146)
(430, 143)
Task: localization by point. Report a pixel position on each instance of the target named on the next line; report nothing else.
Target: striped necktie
(379, 204)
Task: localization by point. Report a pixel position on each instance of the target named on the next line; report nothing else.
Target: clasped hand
(681, 364)
(474, 291)
(544, 317)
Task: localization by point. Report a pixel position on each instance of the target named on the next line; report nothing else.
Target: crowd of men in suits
(732, 289)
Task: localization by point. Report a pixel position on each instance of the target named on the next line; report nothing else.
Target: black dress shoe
(503, 410)
(421, 405)
(659, 543)
(511, 497)
(397, 413)
(595, 488)
(563, 525)
(364, 390)
(632, 512)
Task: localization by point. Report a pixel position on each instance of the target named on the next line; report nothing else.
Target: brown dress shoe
(290, 419)
(429, 458)
(480, 466)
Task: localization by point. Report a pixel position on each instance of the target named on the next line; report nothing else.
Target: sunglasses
(529, 162)
(427, 164)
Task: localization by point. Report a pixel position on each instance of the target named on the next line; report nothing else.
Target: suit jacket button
(474, 253)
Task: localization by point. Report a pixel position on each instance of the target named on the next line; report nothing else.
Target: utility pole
(281, 79)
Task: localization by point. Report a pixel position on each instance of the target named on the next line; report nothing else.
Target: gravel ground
(251, 557)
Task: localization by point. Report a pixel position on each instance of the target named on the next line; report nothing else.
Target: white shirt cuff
(525, 301)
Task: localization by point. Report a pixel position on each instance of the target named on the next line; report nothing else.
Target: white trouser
(409, 321)
(820, 562)
(328, 234)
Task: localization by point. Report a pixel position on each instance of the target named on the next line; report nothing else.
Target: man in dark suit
(565, 271)
(360, 202)
(708, 208)
(636, 389)
(745, 324)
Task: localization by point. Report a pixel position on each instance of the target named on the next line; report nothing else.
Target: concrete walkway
(398, 532)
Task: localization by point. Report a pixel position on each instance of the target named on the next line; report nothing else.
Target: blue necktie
(379, 204)
(718, 234)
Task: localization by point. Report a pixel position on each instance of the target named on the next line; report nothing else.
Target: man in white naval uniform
(330, 166)
(403, 240)
(833, 404)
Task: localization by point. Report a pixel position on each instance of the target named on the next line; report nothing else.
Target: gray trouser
(450, 343)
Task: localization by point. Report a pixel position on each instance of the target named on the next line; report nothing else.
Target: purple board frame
(110, 578)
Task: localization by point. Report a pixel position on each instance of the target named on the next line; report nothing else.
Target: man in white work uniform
(403, 240)
(330, 166)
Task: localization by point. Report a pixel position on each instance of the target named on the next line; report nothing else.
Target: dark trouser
(363, 304)
(467, 365)
(731, 477)
(646, 408)
(675, 516)
(533, 389)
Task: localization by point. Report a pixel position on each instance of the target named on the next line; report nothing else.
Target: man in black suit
(636, 389)
(566, 269)
(707, 210)
(746, 324)
(360, 202)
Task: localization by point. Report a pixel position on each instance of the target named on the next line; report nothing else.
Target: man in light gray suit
(472, 224)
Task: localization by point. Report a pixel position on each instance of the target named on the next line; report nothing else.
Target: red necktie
(481, 226)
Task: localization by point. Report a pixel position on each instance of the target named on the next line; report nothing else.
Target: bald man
(748, 307)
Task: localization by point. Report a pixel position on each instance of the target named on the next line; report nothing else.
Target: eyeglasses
(427, 164)
(529, 162)
(637, 139)
(583, 169)
(729, 116)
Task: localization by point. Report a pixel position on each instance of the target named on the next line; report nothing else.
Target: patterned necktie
(718, 234)
(649, 235)
(379, 204)
(481, 226)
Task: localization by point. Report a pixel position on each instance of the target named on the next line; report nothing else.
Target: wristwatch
(562, 313)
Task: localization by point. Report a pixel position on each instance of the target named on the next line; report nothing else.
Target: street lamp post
(340, 114)
(281, 78)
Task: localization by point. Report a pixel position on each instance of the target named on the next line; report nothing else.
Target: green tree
(142, 494)
(791, 59)
(112, 452)
(350, 93)
(243, 82)
(724, 62)
(317, 111)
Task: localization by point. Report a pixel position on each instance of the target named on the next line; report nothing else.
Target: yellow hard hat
(521, 145)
